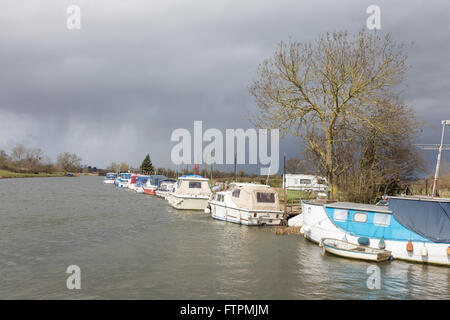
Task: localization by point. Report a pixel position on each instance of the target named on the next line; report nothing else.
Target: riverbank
(5, 174)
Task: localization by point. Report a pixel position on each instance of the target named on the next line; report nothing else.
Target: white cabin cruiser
(247, 203)
(192, 193)
(140, 183)
(124, 179)
(110, 178)
(165, 187)
(132, 182)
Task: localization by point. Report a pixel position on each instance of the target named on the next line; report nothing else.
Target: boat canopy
(141, 180)
(168, 181)
(133, 178)
(156, 179)
(125, 175)
(429, 218)
(189, 176)
(193, 185)
(255, 197)
(111, 175)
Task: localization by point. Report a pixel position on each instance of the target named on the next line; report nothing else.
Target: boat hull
(150, 191)
(162, 194)
(245, 217)
(317, 226)
(187, 203)
(355, 251)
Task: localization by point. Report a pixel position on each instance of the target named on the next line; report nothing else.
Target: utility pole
(440, 147)
(284, 186)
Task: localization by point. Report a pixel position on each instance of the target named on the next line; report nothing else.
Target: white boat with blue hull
(247, 203)
(412, 228)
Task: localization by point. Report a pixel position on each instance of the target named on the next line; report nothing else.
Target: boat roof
(422, 198)
(168, 180)
(193, 177)
(358, 206)
(250, 185)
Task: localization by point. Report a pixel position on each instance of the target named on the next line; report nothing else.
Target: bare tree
(69, 162)
(326, 90)
(296, 165)
(3, 159)
(123, 167)
(113, 167)
(19, 153)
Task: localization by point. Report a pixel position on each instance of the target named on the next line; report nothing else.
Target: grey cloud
(116, 89)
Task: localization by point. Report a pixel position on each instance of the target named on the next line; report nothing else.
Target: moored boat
(353, 251)
(132, 182)
(140, 183)
(247, 203)
(412, 228)
(192, 193)
(110, 178)
(165, 187)
(124, 179)
(153, 183)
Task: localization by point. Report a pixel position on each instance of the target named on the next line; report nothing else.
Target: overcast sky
(137, 70)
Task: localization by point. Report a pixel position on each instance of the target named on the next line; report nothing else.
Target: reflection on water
(134, 246)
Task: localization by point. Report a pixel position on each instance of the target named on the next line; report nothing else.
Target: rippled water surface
(134, 246)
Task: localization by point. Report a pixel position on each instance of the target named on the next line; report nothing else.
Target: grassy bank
(10, 174)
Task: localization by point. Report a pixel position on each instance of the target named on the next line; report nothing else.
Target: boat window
(236, 193)
(340, 214)
(360, 217)
(195, 185)
(265, 197)
(381, 219)
(305, 181)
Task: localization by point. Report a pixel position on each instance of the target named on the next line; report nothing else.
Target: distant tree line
(28, 160)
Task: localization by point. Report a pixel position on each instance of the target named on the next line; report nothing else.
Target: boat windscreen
(267, 197)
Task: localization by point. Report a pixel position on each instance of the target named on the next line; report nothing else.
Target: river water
(135, 246)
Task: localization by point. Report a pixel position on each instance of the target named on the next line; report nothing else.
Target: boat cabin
(192, 185)
(250, 196)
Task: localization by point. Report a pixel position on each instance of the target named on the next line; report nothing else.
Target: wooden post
(235, 167)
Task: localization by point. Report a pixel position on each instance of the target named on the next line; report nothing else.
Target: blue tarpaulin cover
(428, 218)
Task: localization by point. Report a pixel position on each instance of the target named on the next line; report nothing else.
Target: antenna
(440, 148)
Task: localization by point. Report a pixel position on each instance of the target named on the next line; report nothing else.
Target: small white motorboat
(165, 187)
(110, 178)
(191, 193)
(354, 251)
(247, 203)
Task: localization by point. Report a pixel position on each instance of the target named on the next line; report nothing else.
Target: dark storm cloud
(116, 89)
